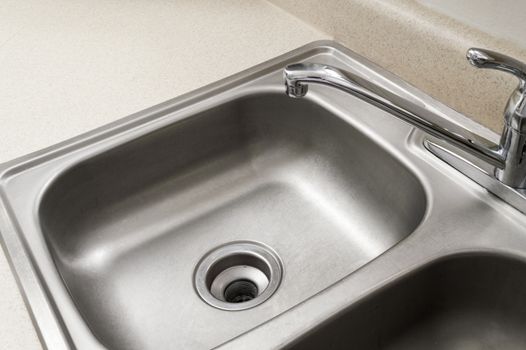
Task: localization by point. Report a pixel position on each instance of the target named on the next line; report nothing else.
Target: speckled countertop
(68, 67)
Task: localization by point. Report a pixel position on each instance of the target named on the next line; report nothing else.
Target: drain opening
(238, 276)
(240, 291)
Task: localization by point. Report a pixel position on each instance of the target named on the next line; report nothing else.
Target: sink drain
(238, 276)
(240, 291)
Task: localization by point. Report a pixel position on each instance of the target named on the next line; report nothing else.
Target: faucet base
(478, 171)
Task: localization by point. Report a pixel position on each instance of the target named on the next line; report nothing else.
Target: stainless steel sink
(120, 238)
(126, 227)
(460, 302)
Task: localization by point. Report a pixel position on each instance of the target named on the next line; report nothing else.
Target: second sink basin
(127, 227)
(459, 303)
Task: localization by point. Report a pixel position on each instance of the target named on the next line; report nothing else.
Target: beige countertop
(502, 18)
(67, 67)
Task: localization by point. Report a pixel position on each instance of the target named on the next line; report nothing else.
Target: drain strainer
(240, 291)
(238, 276)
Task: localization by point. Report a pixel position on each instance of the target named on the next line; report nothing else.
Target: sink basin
(235, 217)
(461, 302)
(127, 227)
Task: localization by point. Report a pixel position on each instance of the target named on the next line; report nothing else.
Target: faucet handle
(482, 58)
(515, 111)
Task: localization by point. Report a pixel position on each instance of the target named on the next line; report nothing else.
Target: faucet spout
(416, 112)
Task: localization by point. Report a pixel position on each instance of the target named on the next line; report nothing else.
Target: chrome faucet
(508, 157)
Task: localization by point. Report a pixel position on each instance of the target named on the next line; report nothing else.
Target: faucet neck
(512, 144)
(412, 110)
